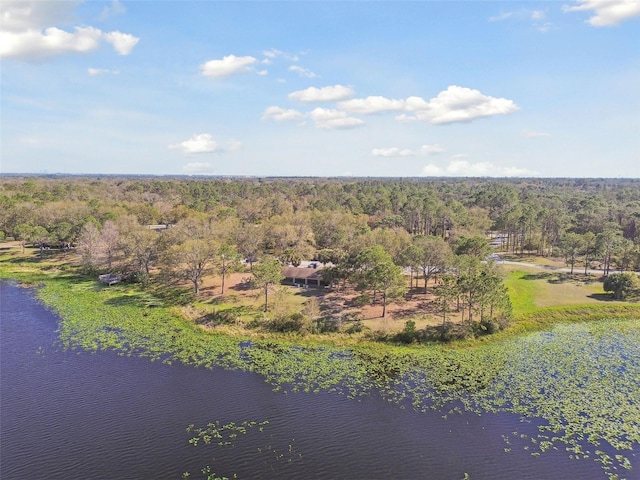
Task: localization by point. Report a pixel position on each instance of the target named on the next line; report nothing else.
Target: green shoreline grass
(494, 374)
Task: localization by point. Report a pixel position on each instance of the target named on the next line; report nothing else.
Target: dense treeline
(535, 215)
(364, 229)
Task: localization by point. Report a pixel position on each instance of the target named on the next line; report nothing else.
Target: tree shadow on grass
(310, 292)
(424, 307)
(243, 286)
(538, 276)
(135, 300)
(557, 278)
(27, 260)
(632, 297)
(123, 301)
(171, 294)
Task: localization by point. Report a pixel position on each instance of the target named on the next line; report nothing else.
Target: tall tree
(64, 234)
(607, 241)
(375, 270)
(410, 258)
(266, 273)
(589, 242)
(22, 232)
(39, 237)
(227, 261)
(249, 238)
(469, 269)
(571, 245)
(475, 246)
(141, 245)
(90, 246)
(191, 255)
(434, 256)
(110, 238)
(445, 294)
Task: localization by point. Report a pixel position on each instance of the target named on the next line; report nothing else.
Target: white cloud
(22, 15)
(501, 17)
(280, 114)
(325, 94)
(101, 71)
(228, 65)
(459, 104)
(303, 72)
(432, 170)
(333, 119)
(323, 117)
(26, 32)
(537, 15)
(431, 149)
(197, 167)
(122, 42)
(455, 104)
(51, 42)
(606, 12)
(373, 104)
(404, 118)
(459, 166)
(464, 168)
(525, 15)
(116, 8)
(392, 152)
(275, 53)
(199, 143)
(204, 143)
(407, 152)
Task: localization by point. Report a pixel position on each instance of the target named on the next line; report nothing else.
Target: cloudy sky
(326, 88)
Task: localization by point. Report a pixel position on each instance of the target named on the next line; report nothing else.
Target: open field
(531, 289)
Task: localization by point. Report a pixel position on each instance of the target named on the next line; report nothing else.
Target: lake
(79, 415)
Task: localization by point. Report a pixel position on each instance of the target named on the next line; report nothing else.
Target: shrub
(329, 325)
(620, 284)
(409, 334)
(295, 322)
(355, 327)
(224, 317)
(450, 332)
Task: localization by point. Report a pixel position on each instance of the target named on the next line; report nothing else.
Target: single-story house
(301, 276)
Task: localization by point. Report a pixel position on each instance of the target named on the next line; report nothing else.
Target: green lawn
(533, 289)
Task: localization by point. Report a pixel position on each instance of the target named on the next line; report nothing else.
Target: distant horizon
(433, 89)
(297, 177)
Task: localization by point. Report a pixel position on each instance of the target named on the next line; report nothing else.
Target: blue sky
(329, 88)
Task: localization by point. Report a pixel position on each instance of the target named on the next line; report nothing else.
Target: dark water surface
(67, 415)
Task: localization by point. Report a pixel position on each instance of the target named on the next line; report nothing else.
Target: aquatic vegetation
(580, 381)
(222, 434)
(215, 434)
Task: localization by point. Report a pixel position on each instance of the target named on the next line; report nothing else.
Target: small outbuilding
(110, 278)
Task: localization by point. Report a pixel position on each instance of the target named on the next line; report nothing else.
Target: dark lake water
(67, 415)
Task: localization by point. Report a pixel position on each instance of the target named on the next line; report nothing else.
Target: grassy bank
(540, 300)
